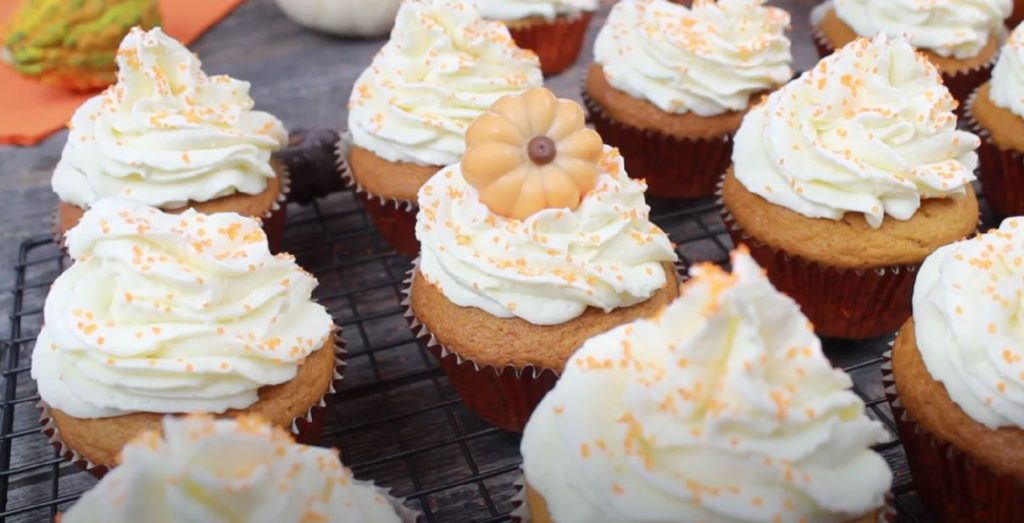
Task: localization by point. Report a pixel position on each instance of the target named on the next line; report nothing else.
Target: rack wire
(397, 420)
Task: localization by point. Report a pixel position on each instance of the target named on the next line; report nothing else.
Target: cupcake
(165, 314)
(670, 85)
(168, 136)
(554, 29)
(844, 180)
(996, 113)
(958, 397)
(443, 66)
(202, 469)
(721, 408)
(535, 242)
(960, 37)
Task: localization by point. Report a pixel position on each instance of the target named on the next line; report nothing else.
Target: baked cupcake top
(1008, 75)
(958, 28)
(172, 313)
(870, 129)
(443, 66)
(521, 9)
(209, 470)
(166, 133)
(708, 59)
(722, 408)
(539, 238)
(967, 308)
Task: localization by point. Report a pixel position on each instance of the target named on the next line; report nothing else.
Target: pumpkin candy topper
(531, 152)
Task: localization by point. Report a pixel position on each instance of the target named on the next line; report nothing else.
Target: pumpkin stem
(541, 150)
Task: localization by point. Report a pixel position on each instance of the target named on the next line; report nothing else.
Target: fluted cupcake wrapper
(1001, 173)
(673, 167)
(557, 42)
(952, 486)
(306, 428)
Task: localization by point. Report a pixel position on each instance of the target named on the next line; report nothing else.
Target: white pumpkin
(343, 17)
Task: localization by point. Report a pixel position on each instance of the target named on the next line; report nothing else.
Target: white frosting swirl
(166, 133)
(1008, 75)
(870, 129)
(958, 29)
(223, 471)
(548, 268)
(723, 408)
(547, 9)
(442, 68)
(172, 313)
(967, 316)
(709, 59)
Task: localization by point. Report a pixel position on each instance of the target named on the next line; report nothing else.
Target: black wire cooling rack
(396, 419)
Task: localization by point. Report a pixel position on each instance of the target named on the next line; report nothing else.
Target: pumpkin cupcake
(958, 396)
(670, 85)
(960, 37)
(202, 469)
(535, 242)
(554, 29)
(443, 66)
(844, 180)
(721, 408)
(169, 136)
(166, 314)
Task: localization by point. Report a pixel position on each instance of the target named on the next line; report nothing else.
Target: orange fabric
(31, 111)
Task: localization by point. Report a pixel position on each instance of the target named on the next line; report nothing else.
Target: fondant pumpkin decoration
(72, 43)
(531, 152)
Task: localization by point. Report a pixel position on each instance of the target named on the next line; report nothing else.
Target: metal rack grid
(396, 419)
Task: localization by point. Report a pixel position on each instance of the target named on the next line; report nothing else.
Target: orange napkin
(31, 111)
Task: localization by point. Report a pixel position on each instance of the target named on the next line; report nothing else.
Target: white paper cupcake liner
(343, 149)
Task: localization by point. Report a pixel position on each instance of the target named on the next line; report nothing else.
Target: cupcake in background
(169, 136)
(554, 29)
(721, 408)
(200, 469)
(957, 365)
(960, 37)
(442, 67)
(996, 113)
(535, 242)
(167, 314)
(670, 85)
(844, 180)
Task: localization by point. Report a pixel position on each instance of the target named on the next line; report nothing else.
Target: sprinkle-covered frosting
(709, 59)
(546, 9)
(1007, 86)
(172, 313)
(548, 268)
(967, 316)
(949, 28)
(166, 133)
(870, 129)
(203, 470)
(443, 66)
(722, 408)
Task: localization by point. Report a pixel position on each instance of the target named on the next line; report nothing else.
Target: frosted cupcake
(165, 314)
(721, 408)
(960, 37)
(844, 180)
(443, 66)
(554, 29)
(169, 136)
(202, 469)
(535, 242)
(959, 380)
(670, 85)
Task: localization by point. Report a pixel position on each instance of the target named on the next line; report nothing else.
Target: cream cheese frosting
(870, 130)
(166, 133)
(1007, 83)
(967, 319)
(958, 29)
(548, 268)
(722, 408)
(442, 67)
(520, 9)
(707, 60)
(203, 470)
(172, 313)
